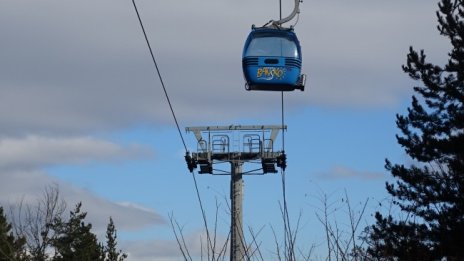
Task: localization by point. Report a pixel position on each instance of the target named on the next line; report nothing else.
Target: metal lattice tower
(236, 144)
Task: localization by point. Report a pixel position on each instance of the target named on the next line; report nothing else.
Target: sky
(82, 108)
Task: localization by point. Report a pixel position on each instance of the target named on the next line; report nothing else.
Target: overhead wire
(159, 76)
(175, 120)
(288, 242)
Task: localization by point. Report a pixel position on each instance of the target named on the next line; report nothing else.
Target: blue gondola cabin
(272, 60)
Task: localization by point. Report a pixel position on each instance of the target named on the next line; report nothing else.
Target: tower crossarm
(235, 144)
(235, 127)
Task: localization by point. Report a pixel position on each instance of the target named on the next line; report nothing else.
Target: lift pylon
(236, 144)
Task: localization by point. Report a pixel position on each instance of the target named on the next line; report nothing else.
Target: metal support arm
(295, 11)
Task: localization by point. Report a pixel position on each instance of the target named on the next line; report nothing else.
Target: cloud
(127, 217)
(29, 186)
(343, 172)
(22, 165)
(355, 50)
(168, 250)
(146, 250)
(66, 68)
(36, 152)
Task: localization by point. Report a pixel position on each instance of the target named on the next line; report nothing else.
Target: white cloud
(354, 51)
(36, 152)
(343, 172)
(168, 250)
(125, 216)
(29, 186)
(22, 178)
(67, 68)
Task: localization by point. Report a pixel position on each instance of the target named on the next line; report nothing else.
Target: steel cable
(175, 120)
(287, 230)
(159, 76)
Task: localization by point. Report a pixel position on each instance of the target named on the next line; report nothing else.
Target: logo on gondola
(270, 73)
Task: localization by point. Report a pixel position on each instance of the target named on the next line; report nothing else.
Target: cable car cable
(159, 76)
(288, 238)
(175, 120)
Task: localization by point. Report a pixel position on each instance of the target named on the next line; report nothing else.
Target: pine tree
(11, 249)
(111, 253)
(430, 192)
(74, 240)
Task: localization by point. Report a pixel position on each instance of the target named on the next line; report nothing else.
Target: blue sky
(81, 107)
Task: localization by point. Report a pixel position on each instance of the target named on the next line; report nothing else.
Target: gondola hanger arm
(295, 11)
